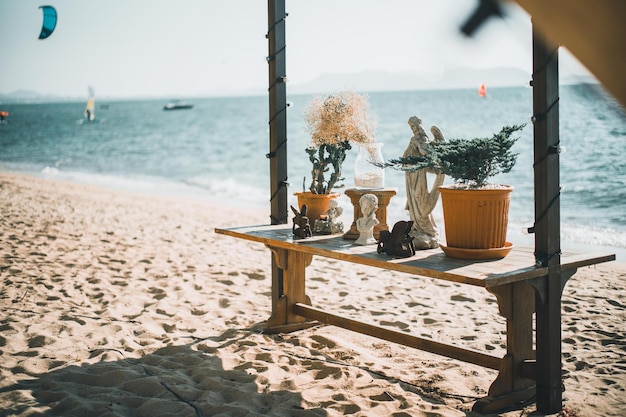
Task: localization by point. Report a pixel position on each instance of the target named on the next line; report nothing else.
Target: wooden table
(516, 281)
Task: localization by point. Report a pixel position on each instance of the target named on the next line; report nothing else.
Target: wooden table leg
(516, 302)
(548, 372)
(291, 291)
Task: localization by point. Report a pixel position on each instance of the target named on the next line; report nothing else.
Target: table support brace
(283, 318)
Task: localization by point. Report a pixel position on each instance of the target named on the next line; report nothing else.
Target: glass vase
(366, 174)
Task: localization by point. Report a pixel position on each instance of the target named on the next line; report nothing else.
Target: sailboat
(4, 117)
(90, 108)
(482, 90)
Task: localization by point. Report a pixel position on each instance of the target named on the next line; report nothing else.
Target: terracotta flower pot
(317, 204)
(475, 218)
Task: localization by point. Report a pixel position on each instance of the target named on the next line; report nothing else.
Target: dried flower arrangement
(334, 122)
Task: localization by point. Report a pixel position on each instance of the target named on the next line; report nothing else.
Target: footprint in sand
(163, 312)
(169, 328)
(255, 276)
(385, 396)
(323, 342)
(462, 298)
(37, 341)
(197, 312)
(319, 279)
(158, 293)
(66, 317)
(325, 371)
(398, 324)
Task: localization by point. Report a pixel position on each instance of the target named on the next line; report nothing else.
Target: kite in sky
(49, 21)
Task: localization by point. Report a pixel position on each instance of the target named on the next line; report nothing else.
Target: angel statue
(420, 201)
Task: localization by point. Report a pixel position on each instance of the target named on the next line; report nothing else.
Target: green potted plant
(475, 212)
(333, 122)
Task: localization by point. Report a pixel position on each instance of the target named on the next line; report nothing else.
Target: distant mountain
(367, 81)
(28, 96)
(389, 81)
(450, 79)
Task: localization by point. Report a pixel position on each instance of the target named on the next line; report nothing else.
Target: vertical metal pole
(547, 223)
(277, 155)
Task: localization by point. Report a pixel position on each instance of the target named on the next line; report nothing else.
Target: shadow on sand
(173, 381)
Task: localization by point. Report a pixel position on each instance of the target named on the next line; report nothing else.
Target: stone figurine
(420, 201)
(329, 224)
(365, 225)
(398, 242)
(301, 225)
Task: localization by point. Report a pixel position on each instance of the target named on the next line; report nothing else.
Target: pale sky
(144, 48)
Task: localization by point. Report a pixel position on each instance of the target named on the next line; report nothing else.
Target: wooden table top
(518, 265)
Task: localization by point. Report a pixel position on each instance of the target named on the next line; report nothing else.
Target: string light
(557, 149)
(541, 116)
(272, 154)
(552, 150)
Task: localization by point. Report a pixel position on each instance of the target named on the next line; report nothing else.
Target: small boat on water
(177, 105)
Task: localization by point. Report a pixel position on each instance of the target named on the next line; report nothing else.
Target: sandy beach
(115, 304)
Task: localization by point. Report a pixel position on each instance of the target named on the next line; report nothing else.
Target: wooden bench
(516, 281)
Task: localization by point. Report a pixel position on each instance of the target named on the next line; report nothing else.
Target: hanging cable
(542, 258)
(279, 80)
(277, 114)
(272, 154)
(544, 66)
(545, 212)
(272, 57)
(281, 184)
(283, 19)
(552, 150)
(538, 117)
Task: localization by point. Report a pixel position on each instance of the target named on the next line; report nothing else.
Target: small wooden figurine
(301, 225)
(398, 242)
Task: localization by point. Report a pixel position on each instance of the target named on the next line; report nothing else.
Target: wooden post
(277, 110)
(547, 222)
(277, 155)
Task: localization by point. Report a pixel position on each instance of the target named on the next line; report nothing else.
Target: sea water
(217, 150)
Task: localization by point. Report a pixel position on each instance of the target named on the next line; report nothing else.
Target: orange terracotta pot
(317, 204)
(475, 218)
